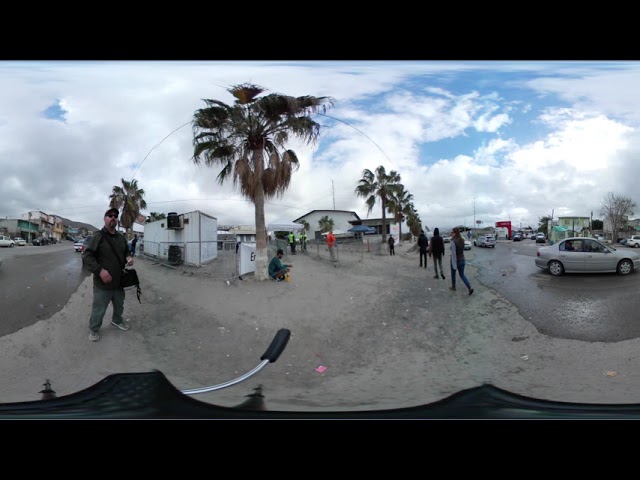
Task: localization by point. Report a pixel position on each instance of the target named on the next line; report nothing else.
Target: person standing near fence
(303, 241)
(392, 242)
(292, 243)
(436, 248)
(331, 245)
(423, 243)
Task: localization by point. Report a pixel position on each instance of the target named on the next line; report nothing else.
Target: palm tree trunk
(384, 223)
(262, 261)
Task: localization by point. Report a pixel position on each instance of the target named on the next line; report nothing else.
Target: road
(36, 283)
(587, 307)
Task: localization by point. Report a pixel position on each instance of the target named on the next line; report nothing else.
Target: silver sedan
(585, 255)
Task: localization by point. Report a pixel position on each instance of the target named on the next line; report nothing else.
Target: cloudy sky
(472, 141)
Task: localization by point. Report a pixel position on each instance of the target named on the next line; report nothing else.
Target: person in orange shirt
(331, 244)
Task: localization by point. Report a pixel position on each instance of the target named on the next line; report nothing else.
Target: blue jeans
(462, 275)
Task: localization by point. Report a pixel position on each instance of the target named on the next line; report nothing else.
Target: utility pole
(474, 211)
(591, 225)
(333, 194)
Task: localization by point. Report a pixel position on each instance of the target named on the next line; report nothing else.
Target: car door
(571, 255)
(596, 257)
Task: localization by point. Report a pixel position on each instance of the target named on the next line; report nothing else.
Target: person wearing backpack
(104, 258)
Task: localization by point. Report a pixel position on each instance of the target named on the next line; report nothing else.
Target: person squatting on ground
(457, 260)
(391, 242)
(423, 244)
(436, 249)
(105, 257)
(277, 270)
(331, 245)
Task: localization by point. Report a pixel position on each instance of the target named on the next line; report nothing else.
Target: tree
(131, 199)
(379, 186)
(543, 224)
(155, 216)
(413, 221)
(399, 206)
(325, 224)
(248, 140)
(616, 209)
(305, 226)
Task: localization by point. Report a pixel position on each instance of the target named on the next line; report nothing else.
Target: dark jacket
(437, 246)
(423, 243)
(99, 255)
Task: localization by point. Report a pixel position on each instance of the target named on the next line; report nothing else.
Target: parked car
(78, 245)
(540, 238)
(86, 242)
(585, 255)
(6, 242)
(467, 244)
(485, 241)
(516, 237)
(634, 241)
(21, 242)
(446, 239)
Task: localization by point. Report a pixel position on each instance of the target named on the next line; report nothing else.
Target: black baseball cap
(112, 210)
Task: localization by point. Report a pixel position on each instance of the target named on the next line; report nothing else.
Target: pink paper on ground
(321, 369)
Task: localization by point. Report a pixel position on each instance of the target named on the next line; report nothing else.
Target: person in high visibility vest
(331, 245)
(303, 241)
(292, 243)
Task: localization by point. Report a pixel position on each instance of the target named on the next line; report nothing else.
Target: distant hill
(73, 224)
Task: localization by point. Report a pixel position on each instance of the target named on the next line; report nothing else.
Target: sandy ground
(388, 333)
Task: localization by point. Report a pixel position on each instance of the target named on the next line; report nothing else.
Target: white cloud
(553, 137)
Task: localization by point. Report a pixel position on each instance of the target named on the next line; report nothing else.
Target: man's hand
(105, 276)
(129, 261)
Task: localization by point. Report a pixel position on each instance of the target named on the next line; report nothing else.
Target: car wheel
(636, 245)
(555, 268)
(625, 267)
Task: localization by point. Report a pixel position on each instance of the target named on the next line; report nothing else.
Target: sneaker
(93, 336)
(452, 288)
(443, 276)
(121, 326)
(278, 280)
(470, 291)
(436, 276)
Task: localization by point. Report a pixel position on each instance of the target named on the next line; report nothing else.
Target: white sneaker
(93, 336)
(121, 326)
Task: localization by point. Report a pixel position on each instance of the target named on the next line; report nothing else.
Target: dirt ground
(388, 334)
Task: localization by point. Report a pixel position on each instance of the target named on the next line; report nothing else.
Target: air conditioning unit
(174, 221)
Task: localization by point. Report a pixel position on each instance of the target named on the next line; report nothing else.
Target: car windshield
(394, 191)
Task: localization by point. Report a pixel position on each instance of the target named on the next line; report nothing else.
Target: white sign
(247, 258)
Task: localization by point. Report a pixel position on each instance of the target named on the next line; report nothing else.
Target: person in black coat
(423, 244)
(436, 248)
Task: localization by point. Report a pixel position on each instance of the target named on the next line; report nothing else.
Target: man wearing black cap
(105, 257)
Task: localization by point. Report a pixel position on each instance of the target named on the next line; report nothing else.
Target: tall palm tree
(248, 140)
(131, 199)
(325, 224)
(399, 207)
(379, 186)
(413, 220)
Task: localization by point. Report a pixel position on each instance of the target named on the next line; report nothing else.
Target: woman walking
(457, 260)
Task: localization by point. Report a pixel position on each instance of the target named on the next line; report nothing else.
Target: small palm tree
(248, 140)
(131, 199)
(325, 224)
(413, 220)
(381, 186)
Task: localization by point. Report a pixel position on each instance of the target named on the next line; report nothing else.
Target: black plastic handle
(277, 346)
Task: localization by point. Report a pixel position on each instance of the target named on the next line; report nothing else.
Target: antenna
(333, 194)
